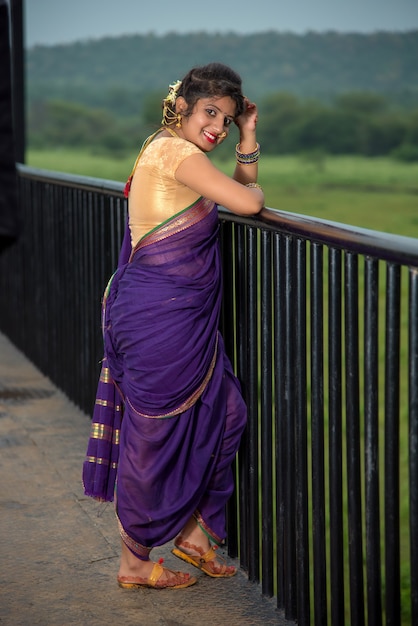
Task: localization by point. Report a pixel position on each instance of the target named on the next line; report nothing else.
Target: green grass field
(379, 193)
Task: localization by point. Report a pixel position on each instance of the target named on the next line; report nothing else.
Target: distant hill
(316, 65)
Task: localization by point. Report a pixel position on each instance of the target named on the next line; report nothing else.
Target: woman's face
(209, 123)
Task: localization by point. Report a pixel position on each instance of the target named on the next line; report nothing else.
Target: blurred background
(336, 85)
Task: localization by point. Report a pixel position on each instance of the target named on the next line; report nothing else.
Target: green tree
(151, 111)
(278, 112)
(408, 150)
(333, 131)
(384, 134)
(363, 102)
(58, 123)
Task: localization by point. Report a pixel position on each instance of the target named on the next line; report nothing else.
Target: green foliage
(357, 123)
(287, 126)
(333, 131)
(384, 133)
(57, 124)
(407, 153)
(152, 108)
(308, 65)
(279, 113)
(317, 93)
(362, 102)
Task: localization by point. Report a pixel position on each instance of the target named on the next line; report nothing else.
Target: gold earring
(178, 123)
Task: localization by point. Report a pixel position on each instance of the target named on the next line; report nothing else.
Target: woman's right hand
(247, 121)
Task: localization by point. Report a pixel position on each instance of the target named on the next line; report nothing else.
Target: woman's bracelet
(247, 158)
(255, 185)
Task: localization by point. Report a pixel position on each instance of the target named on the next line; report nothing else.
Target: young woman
(165, 363)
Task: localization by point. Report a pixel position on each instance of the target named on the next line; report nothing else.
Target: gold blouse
(156, 195)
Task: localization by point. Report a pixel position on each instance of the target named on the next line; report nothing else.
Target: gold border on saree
(191, 400)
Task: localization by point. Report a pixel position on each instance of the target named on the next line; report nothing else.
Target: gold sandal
(202, 561)
(135, 582)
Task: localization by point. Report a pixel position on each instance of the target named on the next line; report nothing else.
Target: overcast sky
(62, 21)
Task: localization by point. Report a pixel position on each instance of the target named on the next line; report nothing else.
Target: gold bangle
(254, 185)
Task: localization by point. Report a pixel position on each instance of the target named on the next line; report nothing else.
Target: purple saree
(165, 362)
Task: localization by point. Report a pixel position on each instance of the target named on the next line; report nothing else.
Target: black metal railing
(328, 358)
(321, 323)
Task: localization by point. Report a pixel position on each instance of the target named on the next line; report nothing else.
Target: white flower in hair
(169, 104)
(172, 93)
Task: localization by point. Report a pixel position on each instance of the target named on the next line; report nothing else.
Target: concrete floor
(59, 550)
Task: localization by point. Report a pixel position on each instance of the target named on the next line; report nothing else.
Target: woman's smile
(210, 137)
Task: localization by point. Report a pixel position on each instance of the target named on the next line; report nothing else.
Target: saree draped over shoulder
(183, 413)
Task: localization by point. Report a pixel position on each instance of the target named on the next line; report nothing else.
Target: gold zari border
(101, 461)
(105, 375)
(136, 548)
(104, 433)
(101, 402)
(188, 217)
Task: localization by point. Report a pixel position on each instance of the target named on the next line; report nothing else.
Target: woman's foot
(134, 572)
(193, 546)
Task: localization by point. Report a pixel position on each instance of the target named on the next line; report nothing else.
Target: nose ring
(222, 135)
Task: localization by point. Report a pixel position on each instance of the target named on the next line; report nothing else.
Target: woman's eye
(211, 112)
(227, 121)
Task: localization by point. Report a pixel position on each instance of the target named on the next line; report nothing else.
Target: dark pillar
(9, 208)
(18, 77)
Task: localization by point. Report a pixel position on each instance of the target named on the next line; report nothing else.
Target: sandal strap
(156, 574)
(210, 555)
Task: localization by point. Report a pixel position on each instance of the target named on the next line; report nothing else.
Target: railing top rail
(391, 248)
(87, 183)
(388, 247)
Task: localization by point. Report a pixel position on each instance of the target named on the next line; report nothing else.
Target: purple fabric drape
(183, 414)
(101, 463)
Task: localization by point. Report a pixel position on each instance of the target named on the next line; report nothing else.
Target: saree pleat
(183, 411)
(101, 462)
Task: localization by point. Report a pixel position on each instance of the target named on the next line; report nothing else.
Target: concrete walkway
(59, 550)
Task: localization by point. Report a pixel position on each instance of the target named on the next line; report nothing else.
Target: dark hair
(214, 79)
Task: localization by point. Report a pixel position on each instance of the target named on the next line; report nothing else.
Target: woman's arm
(246, 172)
(199, 173)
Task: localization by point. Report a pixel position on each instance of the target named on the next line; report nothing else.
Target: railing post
(289, 435)
(335, 436)
(266, 415)
(392, 538)
(318, 470)
(252, 396)
(353, 440)
(371, 443)
(279, 275)
(413, 439)
(241, 366)
(301, 437)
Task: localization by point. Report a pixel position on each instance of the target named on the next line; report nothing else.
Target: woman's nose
(219, 125)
